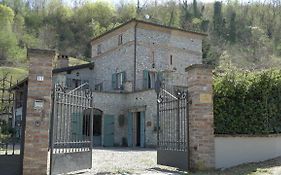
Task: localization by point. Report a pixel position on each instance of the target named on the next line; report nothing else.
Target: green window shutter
(145, 79)
(130, 129)
(77, 126)
(142, 128)
(123, 79)
(108, 130)
(114, 81)
(74, 126)
(124, 76)
(68, 82)
(160, 75)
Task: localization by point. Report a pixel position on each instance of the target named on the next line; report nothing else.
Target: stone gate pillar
(38, 112)
(201, 118)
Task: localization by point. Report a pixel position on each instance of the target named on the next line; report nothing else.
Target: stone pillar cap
(201, 66)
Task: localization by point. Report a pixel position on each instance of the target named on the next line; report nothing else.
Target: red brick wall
(201, 129)
(37, 120)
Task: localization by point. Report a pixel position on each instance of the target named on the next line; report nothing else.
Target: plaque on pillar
(40, 78)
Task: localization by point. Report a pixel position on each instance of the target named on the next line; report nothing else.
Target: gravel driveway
(126, 161)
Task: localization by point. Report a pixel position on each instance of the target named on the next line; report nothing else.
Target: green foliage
(16, 73)
(248, 34)
(232, 28)
(218, 19)
(247, 102)
(126, 12)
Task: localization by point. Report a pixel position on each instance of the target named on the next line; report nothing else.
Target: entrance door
(136, 129)
(108, 130)
(97, 130)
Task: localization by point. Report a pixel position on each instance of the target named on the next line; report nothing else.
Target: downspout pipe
(135, 56)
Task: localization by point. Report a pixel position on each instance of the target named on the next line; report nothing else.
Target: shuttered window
(98, 87)
(86, 84)
(118, 80)
(149, 79)
(99, 49)
(68, 82)
(120, 39)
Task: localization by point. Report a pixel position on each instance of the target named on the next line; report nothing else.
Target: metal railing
(72, 110)
(10, 148)
(172, 118)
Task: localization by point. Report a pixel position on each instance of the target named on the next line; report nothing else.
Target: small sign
(38, 104)
(40, 78)
(205, 98)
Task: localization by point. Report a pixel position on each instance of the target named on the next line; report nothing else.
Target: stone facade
(120, 104)
(133, 48)
(155, 49)
(201, 118)
(145, 47)
(37, 117)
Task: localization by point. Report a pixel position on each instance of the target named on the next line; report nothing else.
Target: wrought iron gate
(172, 121)
(71, 130)
(12, 127)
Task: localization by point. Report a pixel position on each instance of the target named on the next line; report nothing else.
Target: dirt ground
(126, 161)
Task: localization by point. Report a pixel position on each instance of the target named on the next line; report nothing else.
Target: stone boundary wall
(234, 150)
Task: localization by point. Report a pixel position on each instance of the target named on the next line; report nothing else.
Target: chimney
(63, 61)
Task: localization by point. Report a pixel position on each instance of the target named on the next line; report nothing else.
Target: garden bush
(247, 102)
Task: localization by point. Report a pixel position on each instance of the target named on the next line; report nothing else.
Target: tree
(186, 16)
(232, 28)
(218, 19)
(126, 12)
(7, 38)
(196, 12)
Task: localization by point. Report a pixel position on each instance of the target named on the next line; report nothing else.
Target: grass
(75, 61)
(16, 73)
(19, 73)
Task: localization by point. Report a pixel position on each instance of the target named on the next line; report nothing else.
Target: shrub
(247, 102)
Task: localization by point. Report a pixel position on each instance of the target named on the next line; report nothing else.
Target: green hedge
(247, 102)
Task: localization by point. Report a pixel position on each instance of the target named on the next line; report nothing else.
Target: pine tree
(218, 19)
(195, 9)
(232, 28)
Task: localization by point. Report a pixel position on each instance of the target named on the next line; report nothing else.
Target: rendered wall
(231, 151)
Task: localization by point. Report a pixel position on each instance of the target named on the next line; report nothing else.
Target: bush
(247, 102)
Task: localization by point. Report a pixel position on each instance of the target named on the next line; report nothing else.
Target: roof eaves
(149, 23)
(70, 68)
(18, 84)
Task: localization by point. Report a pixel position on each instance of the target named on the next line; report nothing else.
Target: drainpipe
(135, 56)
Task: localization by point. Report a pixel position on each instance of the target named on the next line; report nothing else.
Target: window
(68, 82)
(171, 59)
(120, 39)
(118, 80)
(76, 83)
(149, 79)
(99, 49)
(98, 87)
(86, 84)
(153, 59)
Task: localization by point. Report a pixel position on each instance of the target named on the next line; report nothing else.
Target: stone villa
(124, 65)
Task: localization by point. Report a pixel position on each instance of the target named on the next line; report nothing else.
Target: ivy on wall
(247, 102)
